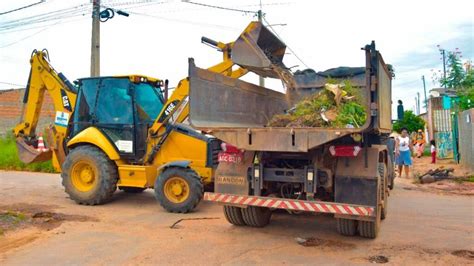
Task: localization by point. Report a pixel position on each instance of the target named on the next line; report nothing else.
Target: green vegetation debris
(339, 105)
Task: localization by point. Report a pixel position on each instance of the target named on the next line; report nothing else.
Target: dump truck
(341, 171)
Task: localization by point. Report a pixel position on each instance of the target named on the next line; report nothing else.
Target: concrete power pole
(95, 40)
(424, 89)
(261, 80)
(418, 103)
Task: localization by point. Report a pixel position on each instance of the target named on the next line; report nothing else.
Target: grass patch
(10, 219)
(9, 158)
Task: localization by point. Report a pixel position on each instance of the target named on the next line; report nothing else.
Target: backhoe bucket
(259, 50)
(28, 154)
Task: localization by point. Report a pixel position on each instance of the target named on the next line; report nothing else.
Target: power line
(23, 7)
(185, 21)
(220, 7)
(11, 84)
(289, 48)
(29, 36)
(45, 17)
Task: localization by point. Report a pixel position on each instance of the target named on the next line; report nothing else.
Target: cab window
(114, 105)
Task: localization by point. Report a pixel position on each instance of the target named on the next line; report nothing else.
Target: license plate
(230, 157)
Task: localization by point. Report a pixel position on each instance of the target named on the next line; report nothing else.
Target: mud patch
(467, 254)
(324, 243)
(378, 259)
(21, 216)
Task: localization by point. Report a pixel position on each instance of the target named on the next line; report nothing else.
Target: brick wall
(11, 109)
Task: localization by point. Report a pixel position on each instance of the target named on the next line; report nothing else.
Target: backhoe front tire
(256, 216)
(89, 177)
(234, 215)
(179, 190)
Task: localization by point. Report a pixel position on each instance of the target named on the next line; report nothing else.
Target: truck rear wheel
(346, 227)
(370, 229)
(234, 215)
(89, 177)
(256, 216)
(179, 189)
(384, 185)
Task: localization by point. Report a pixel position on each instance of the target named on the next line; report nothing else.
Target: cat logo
(66, 103)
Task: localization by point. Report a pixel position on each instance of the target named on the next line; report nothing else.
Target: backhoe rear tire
(132, 190)
(256, 216)
(346, 227)
(178, 189)
(89, 177)
(234, 215)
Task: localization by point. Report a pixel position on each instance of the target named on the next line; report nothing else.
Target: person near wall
(403, 148)
(433, 151)
(419, 142)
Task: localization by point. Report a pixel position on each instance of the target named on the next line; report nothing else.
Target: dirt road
(421, 228)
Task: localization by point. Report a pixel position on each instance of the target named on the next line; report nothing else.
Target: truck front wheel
(256, 216)
(234, 215)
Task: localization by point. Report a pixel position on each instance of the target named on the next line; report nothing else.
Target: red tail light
(344, 150)
(227, 148)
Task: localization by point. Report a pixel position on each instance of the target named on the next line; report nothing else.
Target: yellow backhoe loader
(114, 132)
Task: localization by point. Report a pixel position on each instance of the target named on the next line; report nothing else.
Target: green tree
(410, 121)
(456, 73)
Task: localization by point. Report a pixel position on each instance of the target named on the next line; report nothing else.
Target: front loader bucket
(28, 154)
(259, 50)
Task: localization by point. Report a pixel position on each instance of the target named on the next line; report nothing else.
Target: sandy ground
(422, 228)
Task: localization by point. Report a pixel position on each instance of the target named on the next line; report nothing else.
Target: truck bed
(236, 111)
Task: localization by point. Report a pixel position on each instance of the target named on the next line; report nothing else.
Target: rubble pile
(434, 175)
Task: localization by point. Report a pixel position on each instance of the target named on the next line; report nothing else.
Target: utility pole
(443, 53)
(261, 80)
(424, 89)
(95, 40)
(418, 103)
(416, 106)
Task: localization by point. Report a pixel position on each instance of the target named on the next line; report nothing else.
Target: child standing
(433, 151)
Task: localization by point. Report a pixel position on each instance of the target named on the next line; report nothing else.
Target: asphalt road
(421, 228)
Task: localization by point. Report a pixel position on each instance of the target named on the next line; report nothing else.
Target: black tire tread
(383, 178)
(108, 175)
(346, 227)
(195, 185)
(234, 215)
(256, 216)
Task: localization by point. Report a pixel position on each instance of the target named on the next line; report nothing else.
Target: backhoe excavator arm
(43, 78)
(256, 50)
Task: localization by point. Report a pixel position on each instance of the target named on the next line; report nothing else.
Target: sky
(160, 35)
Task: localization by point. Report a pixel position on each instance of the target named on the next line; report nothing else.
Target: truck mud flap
(339, 209)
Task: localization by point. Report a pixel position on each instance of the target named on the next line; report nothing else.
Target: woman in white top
(403, 149)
